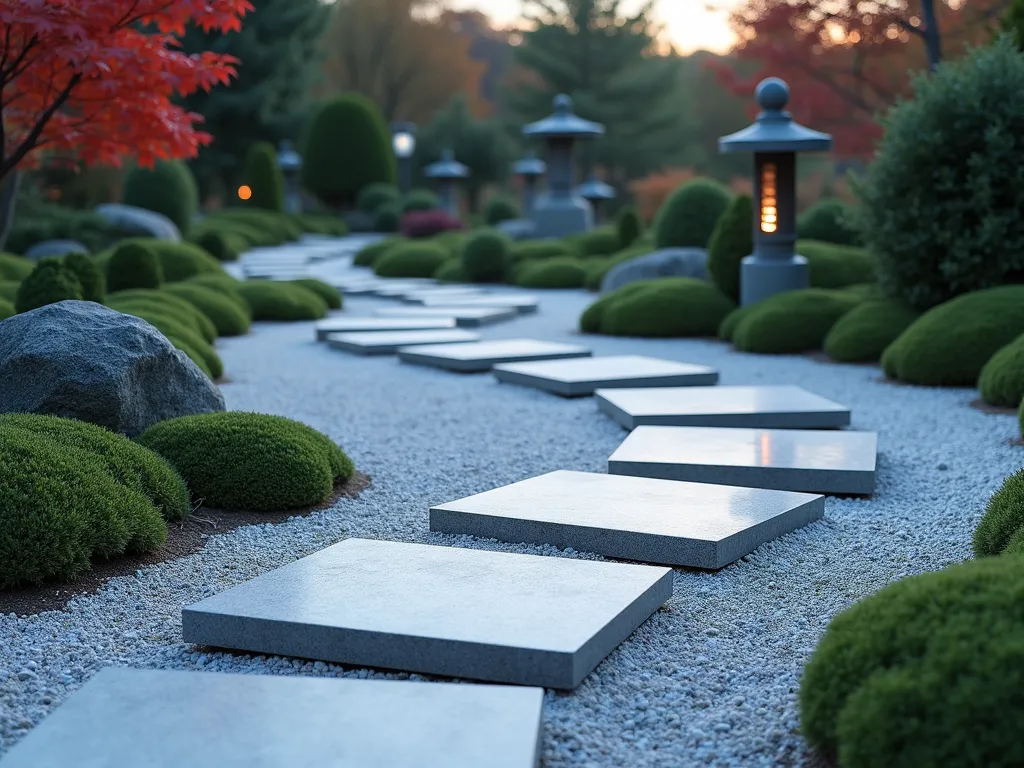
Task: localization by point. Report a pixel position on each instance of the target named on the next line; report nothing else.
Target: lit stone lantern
(448, 172)
(290, 163)
(529, 169)
(774, 139)
(597, 193)
(561, 211)
(403, 142)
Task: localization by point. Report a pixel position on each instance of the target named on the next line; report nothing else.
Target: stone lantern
(774, 138)
(597, 193)
(290, 163)
(529, 169)
(448, 172)
(561, 211)
(403, 142)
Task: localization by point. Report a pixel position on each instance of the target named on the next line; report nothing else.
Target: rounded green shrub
(73, 492)
(791, 322)
(94, 287)
(628, 226)
(373, 197)
(669, 307)
(347, 147)
(592, 319)
(484, 256)
(250, 461)
(259, 227)
(499, 209)
(727, 328)
(228, 318)
(453, 241)
(168, 188)
(387, 219)
(320, 223)
(14, 267)
(368, 256)
(452, 272)
(51, 281)
(411, 259)
(223, 245)
(950, 344)
(940, 202)
(921, 673)
(282, 302)
(829, 220)
(170, 304)
(552, 273)
(530, 250)
(133, 265)
(7, 309)
(837, 266)
(330, 294)
(598, 242)
(9, 289)
(1003, 518)
(225, 285)
(731, 240)
(1001, 381)
(419, 200)
(688, 217)
(264, 177)
(863, 333)
(178, 261)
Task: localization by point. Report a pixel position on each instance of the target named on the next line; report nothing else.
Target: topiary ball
(411, 259)
(1001, 381)
(133, 265)
(388, 218)
(670, 307)
(250, 461)
(373, 197)
(792, 322)
(727, 328)
(222, 245)
(227, 316)
(552, 273)
(829, 220)
(688, 217)
(731, 241)
(330, 294)
(484, 256)
(499, 209)
(51, 281)
(451, 272)
(863, 333)
(419, 200)
(628, 226)
(264, 177)
(281, 302)
(592, 319)
(94, 287)
(597, 242)
(1003, 518)
(168, 188)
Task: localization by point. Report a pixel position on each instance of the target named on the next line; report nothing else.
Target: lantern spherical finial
(772, 94)
(563, 104)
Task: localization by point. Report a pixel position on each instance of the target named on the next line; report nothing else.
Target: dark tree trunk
(8, 200)
(932, 35)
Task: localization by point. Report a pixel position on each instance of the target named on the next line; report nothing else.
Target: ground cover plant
(411, 259)
(330, 294)
(1003, 521)
(484, 256)
(227, 316)
(552, 273)
(1001, 381)
(863, 333)
(281, 302)
(666, 307)
(368, 256)
(791, 322)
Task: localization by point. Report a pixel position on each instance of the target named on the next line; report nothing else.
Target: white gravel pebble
(711, 679)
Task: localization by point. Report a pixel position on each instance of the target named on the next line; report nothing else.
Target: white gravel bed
(711, 679)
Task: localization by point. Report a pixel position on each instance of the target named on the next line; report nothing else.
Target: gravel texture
(711, 679)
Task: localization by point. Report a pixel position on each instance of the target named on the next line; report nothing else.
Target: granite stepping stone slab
(582, 376)
(389, 342)
(219, 720)
(509, 618)
(481, 356)
(447, 294)
(632, 518)
(769, 407)
(809, 461)
(359, 324)
(465, 317)
(524, 305)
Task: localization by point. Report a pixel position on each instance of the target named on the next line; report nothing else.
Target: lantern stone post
(529, 169)
(403, 143)
(774, 138)
(448, 172)
(597, 193)
(290, 163)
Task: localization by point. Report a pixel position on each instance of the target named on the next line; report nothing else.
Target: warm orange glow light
(769, 211)
(244, 193)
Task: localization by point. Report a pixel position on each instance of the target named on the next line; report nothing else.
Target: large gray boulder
(83, 361)
(139, 221)
(668, 262)
(55, 248)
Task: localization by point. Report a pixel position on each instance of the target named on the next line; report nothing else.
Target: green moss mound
(791, 322)
(170, 303)
(91, 280)
(250, 461)
(669, 307)
(731, 240)
(14, 267)
(281, 302)
(451, 272)
(829, 220)
(1003, 518)
(72, 493)
(1001, 381)
(388, 218)
(863, 333)
(9, 289)
(227, 317)
(168, 188)
(7, 309)
(369, 255)
(950, 344)
(223, 246)
(373, 197)
(419, 200)
(484, 256)
(264, 177)
(592, 319)
(226, 286)
(330, 294)
(530, 250)
(552, 273)
(499, 209)
(452, 241)
(411, 259)
(727, 328)
(598, 242)
(921, 672)
(134, 265)
(688, 217)
(628, 226)
(51, 281)
(837, 266)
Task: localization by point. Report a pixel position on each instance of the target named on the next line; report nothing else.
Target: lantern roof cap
(287, 158)
(531, 165)
(774, 129)
(446, 168)
(563, 123)
(595, 189)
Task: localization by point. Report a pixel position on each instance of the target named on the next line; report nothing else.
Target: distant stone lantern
(448, 172)
(529, 169)
(290, 163)
(597, 193)
(403, 142)
(774, 138)
(561, 211)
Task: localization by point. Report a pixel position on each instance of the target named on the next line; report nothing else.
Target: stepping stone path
(784, 407)
(355, 324)
(465, 613)
(389, 342)
(466, 317)
(812, 461)
(633, 518)
(218, 720)
(423, 295)
(582, 376)
(525, 305)
(480, 356)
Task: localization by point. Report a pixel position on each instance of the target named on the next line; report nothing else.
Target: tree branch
(31, 141)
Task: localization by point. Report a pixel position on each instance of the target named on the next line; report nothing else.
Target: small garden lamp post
(290, 163)
(561, 211)
(448, 172)
(529, 169)
(597, 193)
(774, 139)
(403, 142)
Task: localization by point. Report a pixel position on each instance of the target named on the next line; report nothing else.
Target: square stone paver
(582, 376)
(774, 407)
(633, 518)
(145, 718)
(358, 324)
(455, 293)
(465, 317)
(482, 355)
(388, 342)
(524, 305)
(810, 461)
(467, 613)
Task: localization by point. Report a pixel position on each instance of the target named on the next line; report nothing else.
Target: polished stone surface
(465, 317)
(358, 324)
(144, 718)
(454, 293)
(482, 355)
(582, 376)
(631, 518)
(811, 461)
(466, 613)
(767, 407)
(523, 304)
(388, 342)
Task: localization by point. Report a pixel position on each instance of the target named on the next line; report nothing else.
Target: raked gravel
(711, 679)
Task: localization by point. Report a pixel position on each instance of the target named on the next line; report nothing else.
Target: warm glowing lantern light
(769, 211)
(244, 192)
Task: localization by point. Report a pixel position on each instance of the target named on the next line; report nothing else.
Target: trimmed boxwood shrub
(368, 256)
(178, 261)
(170, 304)
(837, 266)
(1001, 381)
(282, 302)
(222, 245)
(1003, 518)
(250, 461)
(552, 273)
(14, 267)
(731, 240)
(790, 322)
(133, 265)
(228, 318)
(688, 217)
(330, 294)
(168, 188)
(388, 218)
(452, 272)
(829, 220)
(671, 307)
(411, 259)
(484, 256)
(628, 226)
(94, 287)
(950, 344)
(499, 209)
(597, 242)
(863, 333)
(264, 177)
(923, 673)
(72, 492)
(373, 197)
(419, 200)
(51, 281)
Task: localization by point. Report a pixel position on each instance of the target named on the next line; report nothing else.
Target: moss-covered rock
(1001, 381)
(250, 461)
(281, 302)
(411, 259)
(552, 273)
(791, 322)
(863, 333)
(666, 307)
(330, 294)
(228, 318)
(51, 281)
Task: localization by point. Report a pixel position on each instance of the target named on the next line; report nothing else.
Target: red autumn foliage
(417, 224)
(96, 79)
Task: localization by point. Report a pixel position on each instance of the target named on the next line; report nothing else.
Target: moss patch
(863, 333)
